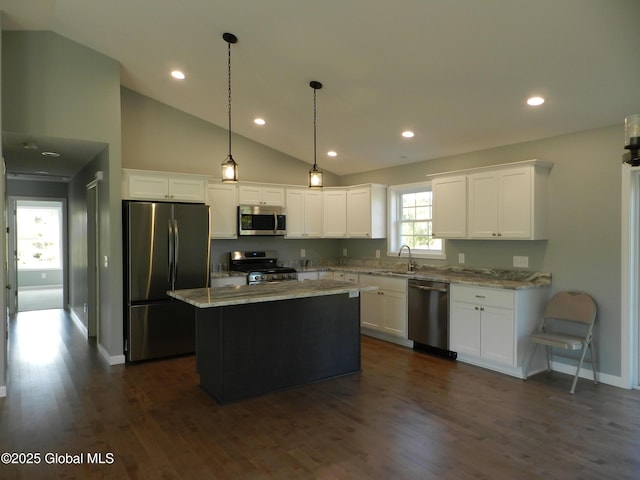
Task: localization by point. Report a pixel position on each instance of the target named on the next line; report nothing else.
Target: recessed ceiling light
(407, 134)
(259, 121)
(177, 74)
(50, 154)
(331, 153)
(535, 101)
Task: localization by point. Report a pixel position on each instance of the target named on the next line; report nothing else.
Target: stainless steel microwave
(261, 220)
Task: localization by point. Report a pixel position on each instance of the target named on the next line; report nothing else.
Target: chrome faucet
(410, 265)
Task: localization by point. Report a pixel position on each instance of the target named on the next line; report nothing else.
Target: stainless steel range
(260, 266)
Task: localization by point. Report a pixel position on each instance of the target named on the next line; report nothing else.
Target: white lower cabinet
(346, 277)
(490, 327)
(231, 281)
(302, 276)
(383, 312)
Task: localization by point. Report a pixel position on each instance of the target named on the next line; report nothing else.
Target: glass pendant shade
(632, 140)
(229, 170)
(315, 177)
(632, 131)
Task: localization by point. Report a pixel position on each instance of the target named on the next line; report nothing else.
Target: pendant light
(632, 140)
(229, 166)
(315, 175)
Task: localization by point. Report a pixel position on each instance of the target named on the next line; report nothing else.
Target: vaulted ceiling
(455, 72)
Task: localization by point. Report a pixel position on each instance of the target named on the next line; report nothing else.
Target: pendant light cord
(229, 85)
(314, 128)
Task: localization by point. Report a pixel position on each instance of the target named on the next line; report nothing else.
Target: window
(410, 221)
(39, 235)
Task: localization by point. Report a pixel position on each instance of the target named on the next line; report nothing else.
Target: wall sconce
(632, 140)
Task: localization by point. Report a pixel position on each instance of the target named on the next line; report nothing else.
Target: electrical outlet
(303, 253)
(344, 252)
(522, 262)
(377, 253)
(461, 258)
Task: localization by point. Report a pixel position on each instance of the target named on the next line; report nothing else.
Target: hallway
(405, 416)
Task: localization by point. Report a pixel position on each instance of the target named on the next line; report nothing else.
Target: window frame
(394, 205)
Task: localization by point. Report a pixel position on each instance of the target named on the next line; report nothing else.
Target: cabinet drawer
(389, 284)
(495, 297)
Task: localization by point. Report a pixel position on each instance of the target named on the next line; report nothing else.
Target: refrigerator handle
(176, 248)
(171, 256)
(275, 222)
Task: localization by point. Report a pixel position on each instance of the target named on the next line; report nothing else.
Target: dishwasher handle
(443, 288)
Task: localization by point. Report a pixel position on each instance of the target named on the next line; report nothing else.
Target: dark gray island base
(256, 346)
(247, 350)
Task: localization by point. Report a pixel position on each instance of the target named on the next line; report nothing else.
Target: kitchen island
(255, 339)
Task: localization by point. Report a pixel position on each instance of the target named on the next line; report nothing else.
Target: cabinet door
(148, 187)
(249, 195)
(483, 205)
(302, 276)
(187, 189)
(450, 207)
(395, 313)
(222, 200)
(516, 207)
(335, 213)
(464, 328)
(372, 309)
(312, 213)
(359, 213)
(497, 335)
(295, 213)
(272, 196)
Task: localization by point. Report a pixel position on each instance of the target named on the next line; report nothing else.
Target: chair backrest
(573, 306)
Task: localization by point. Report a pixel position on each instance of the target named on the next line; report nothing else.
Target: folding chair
(576, 307)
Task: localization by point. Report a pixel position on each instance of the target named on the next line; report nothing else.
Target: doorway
(38, 271)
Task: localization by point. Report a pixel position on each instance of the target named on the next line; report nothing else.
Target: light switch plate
(344, 252)
(522, 262)
(461, 258)
(303, 253)
(377, 253)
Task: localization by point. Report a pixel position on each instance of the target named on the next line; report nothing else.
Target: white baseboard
(110, 359)
(587, 374)
(78, 322)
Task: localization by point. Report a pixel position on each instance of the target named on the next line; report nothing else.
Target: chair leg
(594, 365)
(527, 361)
(548, 360)
(575, 377)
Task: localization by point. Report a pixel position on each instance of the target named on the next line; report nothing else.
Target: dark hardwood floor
(405, 416)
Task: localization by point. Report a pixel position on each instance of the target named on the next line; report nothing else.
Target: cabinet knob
(476, 308)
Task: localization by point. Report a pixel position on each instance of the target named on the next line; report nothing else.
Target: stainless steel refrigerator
(166, 247)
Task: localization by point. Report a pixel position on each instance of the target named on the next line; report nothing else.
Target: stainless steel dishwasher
(429, 317)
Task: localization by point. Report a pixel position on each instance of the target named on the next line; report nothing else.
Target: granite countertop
(265, 292)
(482, 277)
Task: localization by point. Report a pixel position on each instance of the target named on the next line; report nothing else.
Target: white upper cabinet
(261, 195)
(164, 186)
(222, 199)
(450, 207)
(334, 221)
(506, 202)
(304, 213)
(367, 211)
